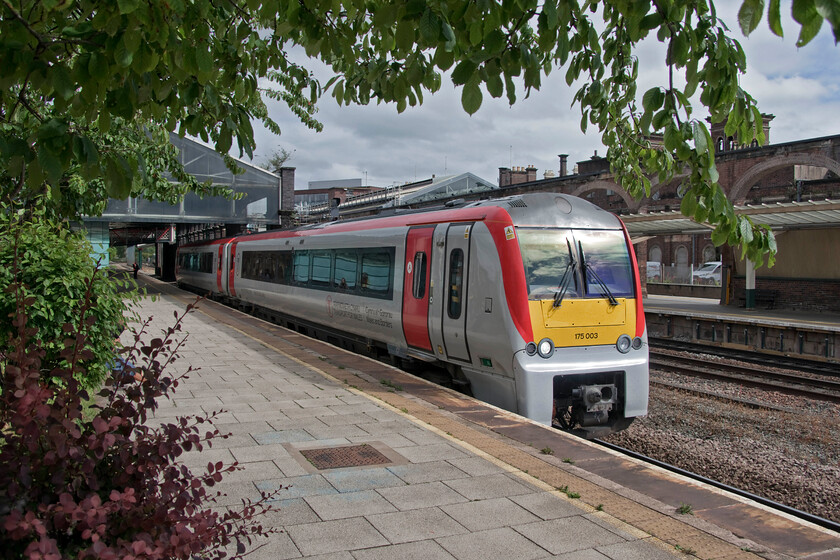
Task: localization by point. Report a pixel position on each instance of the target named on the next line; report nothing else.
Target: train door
(416, 287)
(232, 269)
(454, 301)
(220, 277)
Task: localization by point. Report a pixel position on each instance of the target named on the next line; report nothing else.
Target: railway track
(814, 367)
(750, 375)
(815, 519)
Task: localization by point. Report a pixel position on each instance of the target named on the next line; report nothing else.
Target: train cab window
(606, 260)
(456, 280)
(321, 268)
(418, 287)
(301, 267)
(346, 267)
(376, 272)
(550, 262)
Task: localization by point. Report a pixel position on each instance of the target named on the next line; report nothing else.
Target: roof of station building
(779, 216)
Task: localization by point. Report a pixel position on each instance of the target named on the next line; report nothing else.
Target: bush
(108, 487)
(53, 267)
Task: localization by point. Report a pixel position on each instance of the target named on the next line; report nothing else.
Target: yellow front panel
(582, 322)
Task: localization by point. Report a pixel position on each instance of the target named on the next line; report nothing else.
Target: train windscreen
(576, 263)
(605, 262)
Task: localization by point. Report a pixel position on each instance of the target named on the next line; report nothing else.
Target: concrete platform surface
(431, 473)
(433, 499)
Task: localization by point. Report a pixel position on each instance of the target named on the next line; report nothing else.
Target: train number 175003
(586, 336)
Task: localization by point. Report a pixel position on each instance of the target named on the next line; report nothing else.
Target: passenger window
(456, 279)
(419, 284)
(301, 273)
(376, 272)
(346, 266)
(321, 263)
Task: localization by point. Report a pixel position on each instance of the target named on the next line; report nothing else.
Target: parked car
(708, 273)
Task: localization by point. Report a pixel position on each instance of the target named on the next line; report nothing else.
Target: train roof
(526, 210)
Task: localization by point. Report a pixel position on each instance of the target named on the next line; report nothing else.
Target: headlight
(531, 348)
(624, 343)
(637, 343)
(545, 348)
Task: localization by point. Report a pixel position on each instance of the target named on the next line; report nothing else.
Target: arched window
(655, 254)
(709, 253)
(719, 144)
(683, 272)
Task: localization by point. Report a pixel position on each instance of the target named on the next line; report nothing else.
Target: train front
(586, 369)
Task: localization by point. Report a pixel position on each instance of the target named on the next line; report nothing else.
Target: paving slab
(421, 550)
(333, 536)
(416, 525)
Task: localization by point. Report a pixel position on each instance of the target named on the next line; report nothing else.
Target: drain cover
(339, 457)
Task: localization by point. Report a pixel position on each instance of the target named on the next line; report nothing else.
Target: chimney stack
(563, 164)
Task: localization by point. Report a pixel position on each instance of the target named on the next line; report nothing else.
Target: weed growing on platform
(390, 384)
(546, 451)
(685, 509)
(569, 493)
(107, 486)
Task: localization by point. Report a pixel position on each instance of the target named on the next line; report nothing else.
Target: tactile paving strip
(341, 457)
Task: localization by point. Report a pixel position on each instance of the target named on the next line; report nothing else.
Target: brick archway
(632, 204)
(738, 192)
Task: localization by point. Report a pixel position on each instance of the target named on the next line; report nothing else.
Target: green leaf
(50, 164)
(749, 16)
(495, 86)
(465, 70)
(122, 56)
(653, 99)
(699, 132)
(774, 17)
(745, 229)
(128, 6)
(405, 36)
(688, 204)
(471, 96)
(805, 12)
(117, 180)
(429, 26)
(720, 236)
(830, 10)
(204, 59)
(449, 35)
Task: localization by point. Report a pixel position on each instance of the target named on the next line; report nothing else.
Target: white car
(709, 273)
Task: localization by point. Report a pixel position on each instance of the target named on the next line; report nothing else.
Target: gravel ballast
(789, 454)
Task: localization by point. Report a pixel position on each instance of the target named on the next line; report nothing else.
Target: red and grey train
(533, 301)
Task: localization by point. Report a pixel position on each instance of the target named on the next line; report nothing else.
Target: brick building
(780, 179)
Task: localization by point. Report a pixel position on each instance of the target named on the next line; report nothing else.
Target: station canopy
(779, 216)
(444, 188)
(259, 204)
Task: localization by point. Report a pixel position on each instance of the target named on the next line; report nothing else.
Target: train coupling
(597, 401)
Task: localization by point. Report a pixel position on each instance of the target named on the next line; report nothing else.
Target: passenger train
(532, 302)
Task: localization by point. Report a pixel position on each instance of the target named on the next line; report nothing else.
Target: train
(531, 303)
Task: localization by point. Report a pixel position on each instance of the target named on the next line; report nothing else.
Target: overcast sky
(801, 87)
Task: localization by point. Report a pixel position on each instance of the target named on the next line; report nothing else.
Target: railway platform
(798, 333)
(399, 467)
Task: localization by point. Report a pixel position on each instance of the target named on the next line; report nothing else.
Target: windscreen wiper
(568, 274)
(590, 270)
